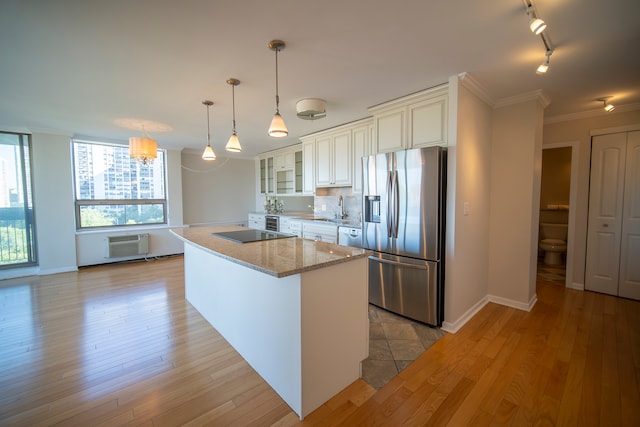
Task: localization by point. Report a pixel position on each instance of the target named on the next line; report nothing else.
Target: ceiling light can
(311, 108)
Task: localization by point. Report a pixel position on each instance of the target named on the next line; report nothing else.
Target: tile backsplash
(326, 202)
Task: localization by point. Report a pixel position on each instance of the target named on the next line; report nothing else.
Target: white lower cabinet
(320, 232)
(256, 221)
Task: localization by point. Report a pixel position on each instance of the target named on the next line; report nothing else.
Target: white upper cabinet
(361, 147)
(281, 172)
(333, 159)
(417, 120)
(308, 166)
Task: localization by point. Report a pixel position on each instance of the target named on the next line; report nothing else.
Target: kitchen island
(295, 309)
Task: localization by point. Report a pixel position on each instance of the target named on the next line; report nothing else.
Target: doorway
(557, 212)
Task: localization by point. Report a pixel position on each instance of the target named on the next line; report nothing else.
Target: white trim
(576, 286)
(13, 273)
(469, 82)
(590, 113)
(514, 304)
(453, 327)
(536, 95)
(573, 202)
(617, 129)
(57, 270)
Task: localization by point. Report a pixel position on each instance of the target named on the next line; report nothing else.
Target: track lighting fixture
(537, 27)
(208, 153)
(233, 144)
(608, 107)
(277, 129)
(544, 67)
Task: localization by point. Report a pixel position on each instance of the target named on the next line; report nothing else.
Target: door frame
(573, 202)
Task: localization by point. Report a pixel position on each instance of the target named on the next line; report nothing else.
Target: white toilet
(554, 242)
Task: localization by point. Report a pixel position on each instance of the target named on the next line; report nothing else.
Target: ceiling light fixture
(144, 149)
(233, 144)
(608, 107)
(208, 153)
(277, 129)
(544, 67)
(536, 25)
(311, 108)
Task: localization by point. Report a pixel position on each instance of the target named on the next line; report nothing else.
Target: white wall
(218, 192)
(469, 167)
(579, 128)
(515, 200)
(53, 203)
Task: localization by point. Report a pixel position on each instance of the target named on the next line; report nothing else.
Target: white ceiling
(76, 67)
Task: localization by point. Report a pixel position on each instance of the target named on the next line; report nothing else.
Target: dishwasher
(350, 236)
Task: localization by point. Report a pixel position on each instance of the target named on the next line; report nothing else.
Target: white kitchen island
(295, 309)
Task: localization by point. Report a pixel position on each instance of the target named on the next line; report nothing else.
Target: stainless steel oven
(271, 222)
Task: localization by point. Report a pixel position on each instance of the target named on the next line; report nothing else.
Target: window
(17, 229)
(112, 189)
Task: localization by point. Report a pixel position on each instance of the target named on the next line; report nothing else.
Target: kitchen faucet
(343, 215)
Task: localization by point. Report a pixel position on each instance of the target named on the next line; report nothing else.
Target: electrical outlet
(324, 208)
(465, 209)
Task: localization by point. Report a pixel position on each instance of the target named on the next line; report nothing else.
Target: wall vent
(127, 245)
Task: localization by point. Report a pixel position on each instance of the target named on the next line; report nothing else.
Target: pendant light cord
(277, 96)
(208, 131)
(233, 102)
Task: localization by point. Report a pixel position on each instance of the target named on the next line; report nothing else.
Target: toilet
(554, 242)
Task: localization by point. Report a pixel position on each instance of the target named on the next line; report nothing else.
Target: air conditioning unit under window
(127, 245)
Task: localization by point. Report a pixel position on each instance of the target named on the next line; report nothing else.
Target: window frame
(80, 203)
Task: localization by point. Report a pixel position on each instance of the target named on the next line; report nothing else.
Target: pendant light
(277, 129)
(144, 149)
(233, 144)
(208, 153)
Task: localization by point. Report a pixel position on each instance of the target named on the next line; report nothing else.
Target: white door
(613, 236)
(630, 247)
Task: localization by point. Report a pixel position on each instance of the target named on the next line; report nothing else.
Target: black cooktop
(252, 235)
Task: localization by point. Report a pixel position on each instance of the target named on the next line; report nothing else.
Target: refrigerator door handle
(390, 217)
(398, 263)
(396, 203)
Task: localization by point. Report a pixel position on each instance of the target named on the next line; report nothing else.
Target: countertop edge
(261, 269)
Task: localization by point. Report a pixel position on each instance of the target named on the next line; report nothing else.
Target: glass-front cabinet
(281, 172)
(266, 175)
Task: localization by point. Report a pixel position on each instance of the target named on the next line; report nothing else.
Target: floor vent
(127, 245)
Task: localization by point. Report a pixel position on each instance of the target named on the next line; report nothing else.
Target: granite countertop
(278, 257)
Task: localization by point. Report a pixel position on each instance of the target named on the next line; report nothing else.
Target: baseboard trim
(576, 286)
(514, 304)
(453, 327)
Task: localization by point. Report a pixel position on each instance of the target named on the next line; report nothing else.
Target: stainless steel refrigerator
(404, 197)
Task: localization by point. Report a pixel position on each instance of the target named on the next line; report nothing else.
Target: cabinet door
(267, 181)
(323, 161)
(428, 122)
(308, 170)
(342, 159)
(360, 149)
(390, 131)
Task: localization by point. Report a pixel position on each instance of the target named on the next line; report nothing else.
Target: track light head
(606, 105)
(544, 67)
(536, 25)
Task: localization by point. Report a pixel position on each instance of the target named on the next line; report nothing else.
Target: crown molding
(590, 113)
(475, 87)
(536, 95)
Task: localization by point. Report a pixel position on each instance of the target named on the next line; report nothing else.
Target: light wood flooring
(119, 345)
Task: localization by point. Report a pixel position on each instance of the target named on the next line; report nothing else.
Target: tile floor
(394, 342)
